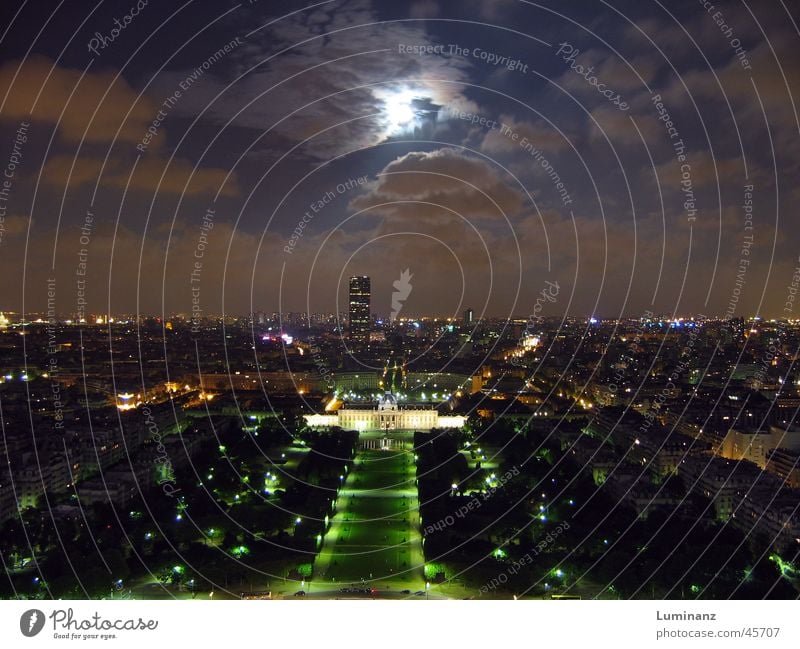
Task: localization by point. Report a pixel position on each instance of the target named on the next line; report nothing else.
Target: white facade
(386, 415)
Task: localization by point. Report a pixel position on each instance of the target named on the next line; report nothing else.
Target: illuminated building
(755, 445)
(469, 316)
(359, 309)
(386, 415)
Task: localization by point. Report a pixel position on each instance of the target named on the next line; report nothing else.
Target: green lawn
(374, 535)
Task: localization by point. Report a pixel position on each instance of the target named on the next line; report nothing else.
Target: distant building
(359, 309)
(412, 383)
(386, 415)
(754, 445)
(772, 515)
(469, 316)
(785, 464)
(724, 482)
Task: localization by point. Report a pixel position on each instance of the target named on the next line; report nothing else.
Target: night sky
(488, 147)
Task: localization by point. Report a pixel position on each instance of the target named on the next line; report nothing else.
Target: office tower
(469, 316)
(359, 309)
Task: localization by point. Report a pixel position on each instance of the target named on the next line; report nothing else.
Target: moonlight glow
(399, 114)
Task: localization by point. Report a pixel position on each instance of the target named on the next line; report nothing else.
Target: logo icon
(402, 290)
(31, 622)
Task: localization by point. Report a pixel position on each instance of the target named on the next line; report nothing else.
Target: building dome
(387, 402)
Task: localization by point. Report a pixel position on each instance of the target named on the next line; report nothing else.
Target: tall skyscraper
(359, 309)
(469, 316)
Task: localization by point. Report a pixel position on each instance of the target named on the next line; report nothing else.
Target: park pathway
(374, 538)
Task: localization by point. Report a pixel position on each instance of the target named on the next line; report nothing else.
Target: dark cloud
(91, 107)
(333, 74)
(334, 90)
(540, 134)
(467, 185)
(151, 175)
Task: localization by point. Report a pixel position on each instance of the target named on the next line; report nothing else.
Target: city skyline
(379, 318)
(421, 429)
